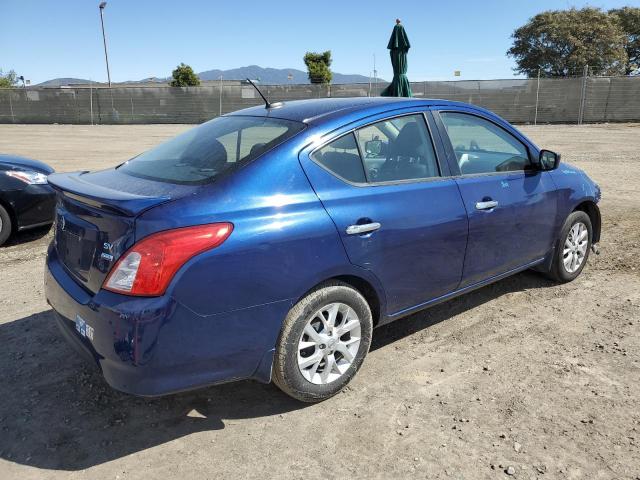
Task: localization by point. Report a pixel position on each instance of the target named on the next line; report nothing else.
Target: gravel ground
(523, 378)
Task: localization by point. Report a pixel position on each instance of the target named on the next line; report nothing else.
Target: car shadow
(58, 413)
(406, 326)
(25, 236)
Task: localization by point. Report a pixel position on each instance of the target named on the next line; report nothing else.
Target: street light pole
(104, 40)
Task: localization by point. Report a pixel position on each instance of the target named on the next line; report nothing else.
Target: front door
(395, 213)
(510, 203)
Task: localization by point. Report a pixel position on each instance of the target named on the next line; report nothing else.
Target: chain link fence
(567, 100)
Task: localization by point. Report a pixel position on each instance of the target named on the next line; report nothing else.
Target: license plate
(84, 328)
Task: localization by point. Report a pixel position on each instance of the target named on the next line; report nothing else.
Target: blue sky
(47, 39)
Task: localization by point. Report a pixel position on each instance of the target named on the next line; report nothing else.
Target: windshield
(202, 153)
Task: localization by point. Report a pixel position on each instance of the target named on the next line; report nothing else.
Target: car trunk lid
(95, 218)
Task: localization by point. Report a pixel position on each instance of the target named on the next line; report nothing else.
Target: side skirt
(462, 291)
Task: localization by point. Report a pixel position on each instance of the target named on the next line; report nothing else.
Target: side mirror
(548, 160)
(373, 147)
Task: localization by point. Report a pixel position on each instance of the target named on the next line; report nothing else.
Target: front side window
(483, 147)
(202, 153)
(398, 149)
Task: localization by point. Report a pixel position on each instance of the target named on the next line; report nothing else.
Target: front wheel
(573, 248)
(323, 342)
(5, 225)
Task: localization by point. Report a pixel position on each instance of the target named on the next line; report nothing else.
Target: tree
(318, 67)
(184, 76)
(8, 80)
(628, 18)
(561, 42)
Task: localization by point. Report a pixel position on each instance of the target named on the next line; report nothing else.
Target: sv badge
(109, 248)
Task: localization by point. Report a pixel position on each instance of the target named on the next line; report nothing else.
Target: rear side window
(483, 147)
(342, 158)
(202, 153)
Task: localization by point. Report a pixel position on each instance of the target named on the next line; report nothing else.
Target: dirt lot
(524, 373)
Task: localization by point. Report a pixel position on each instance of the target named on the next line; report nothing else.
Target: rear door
(510, 203)
(386, 188)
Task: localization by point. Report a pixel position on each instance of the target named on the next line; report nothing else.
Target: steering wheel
(511, 164)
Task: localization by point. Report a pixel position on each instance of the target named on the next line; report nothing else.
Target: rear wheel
(5, 225)
(323, 342)
(573, 249)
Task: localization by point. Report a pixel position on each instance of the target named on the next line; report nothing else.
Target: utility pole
(220, 100)
(91, 99)
(583, 94)
(535, 118)
(375, 76)
(104, 40)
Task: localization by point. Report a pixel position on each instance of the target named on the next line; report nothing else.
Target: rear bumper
(156, 346)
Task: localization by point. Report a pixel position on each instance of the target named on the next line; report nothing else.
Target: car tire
(312, 368)
(5, 225)
(573, 248)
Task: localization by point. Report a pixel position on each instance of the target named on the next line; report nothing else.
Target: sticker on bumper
(84, 328)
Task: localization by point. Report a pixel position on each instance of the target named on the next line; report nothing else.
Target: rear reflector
(147, 268)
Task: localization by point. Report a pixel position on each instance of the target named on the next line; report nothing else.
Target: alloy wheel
(329, 343)
(575, 247)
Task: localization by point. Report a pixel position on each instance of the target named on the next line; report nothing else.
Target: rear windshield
(202, 153)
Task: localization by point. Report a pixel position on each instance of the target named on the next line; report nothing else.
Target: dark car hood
(10, 162)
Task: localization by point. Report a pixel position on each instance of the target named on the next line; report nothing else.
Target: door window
(483, 147)
(397, 149)
(341, 157)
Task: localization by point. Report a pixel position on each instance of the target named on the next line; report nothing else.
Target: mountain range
(275, 76)
(267, 76)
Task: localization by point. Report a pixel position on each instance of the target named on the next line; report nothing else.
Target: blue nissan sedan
(268, 243)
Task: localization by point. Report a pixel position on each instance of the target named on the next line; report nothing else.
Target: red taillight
(147, 268)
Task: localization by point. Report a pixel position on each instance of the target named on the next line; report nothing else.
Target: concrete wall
(571, 100)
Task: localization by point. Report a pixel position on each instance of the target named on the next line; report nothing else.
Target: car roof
(317, 111)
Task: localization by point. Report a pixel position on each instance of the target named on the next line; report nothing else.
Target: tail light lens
(146, 269)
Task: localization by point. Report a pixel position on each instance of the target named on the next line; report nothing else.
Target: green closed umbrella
(398, 47)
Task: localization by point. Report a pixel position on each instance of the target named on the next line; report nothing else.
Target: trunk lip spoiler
(72, 186)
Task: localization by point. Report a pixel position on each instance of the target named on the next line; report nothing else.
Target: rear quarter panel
(282, 245)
